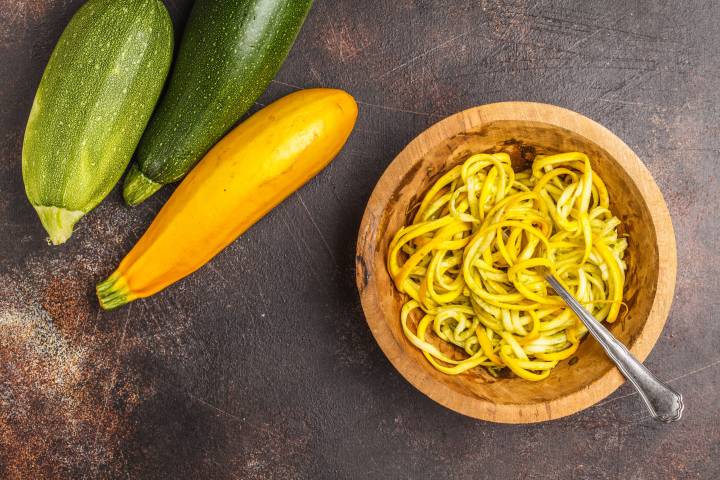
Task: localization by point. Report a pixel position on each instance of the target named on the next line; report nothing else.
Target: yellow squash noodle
(472, 263)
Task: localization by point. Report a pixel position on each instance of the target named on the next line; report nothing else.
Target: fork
(664, 403)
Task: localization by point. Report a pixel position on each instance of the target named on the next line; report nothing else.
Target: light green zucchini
(95, 98)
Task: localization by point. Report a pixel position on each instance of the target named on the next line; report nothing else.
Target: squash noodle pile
(472, 263)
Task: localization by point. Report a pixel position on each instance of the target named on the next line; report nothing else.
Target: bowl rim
(473, 118)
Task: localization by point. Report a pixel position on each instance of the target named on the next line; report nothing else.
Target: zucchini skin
(94, 100)
(230, 52)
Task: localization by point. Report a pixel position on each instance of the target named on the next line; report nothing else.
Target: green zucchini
(94, 100)
(230, 51)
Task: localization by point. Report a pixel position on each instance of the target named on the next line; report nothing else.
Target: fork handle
(664, 403)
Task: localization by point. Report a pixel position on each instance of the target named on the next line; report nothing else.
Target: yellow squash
(250, 171)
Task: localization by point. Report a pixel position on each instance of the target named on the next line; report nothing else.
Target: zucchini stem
(137, 187)
(113, 292)
(58, 222)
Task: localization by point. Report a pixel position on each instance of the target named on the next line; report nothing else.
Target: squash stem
(137, 187)
(58, 222)
(113, 292)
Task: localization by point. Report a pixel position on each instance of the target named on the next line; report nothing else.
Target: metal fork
(664, 403)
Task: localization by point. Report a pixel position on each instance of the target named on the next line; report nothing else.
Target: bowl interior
(522, 138)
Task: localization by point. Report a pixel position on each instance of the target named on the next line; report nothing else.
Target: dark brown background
(261, 365)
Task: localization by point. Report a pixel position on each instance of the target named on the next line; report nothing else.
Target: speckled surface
(261, 365)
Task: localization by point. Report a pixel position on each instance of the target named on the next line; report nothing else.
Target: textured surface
(261, 364)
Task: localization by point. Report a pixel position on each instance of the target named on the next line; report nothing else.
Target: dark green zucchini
(230, 51)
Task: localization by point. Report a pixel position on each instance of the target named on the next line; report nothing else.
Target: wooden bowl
(521, 127)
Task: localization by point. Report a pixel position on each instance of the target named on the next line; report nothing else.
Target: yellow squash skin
(250, 171)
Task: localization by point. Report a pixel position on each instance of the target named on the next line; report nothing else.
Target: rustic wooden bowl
(520, 128)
